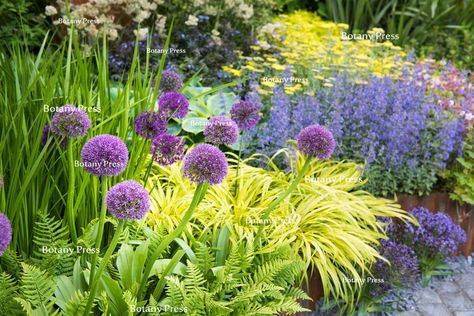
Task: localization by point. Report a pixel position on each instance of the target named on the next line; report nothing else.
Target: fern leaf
(8, 290)
(76, 305)
(37, 287)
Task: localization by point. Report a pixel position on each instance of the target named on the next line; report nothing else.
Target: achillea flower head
(5, 233)
(166, 149)
(173, 104)
(150, 124)
(47, 134)
(205, 163)
(170, 81)
(104, 155)
(221, 130)
(70, 121)
(128, 200)
(245, 114)
(316, 140)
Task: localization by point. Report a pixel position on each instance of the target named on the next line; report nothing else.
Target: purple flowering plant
(434, 239)
(401, 134)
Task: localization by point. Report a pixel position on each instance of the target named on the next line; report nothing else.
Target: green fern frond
(77, 303)
(8, 290)
(10, 263)
(49, 233)
(37, 287)
(194, 276)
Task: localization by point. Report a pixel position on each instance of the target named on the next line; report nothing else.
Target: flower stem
(237, 182)
(282, 196)
(70, 194)
(100, 228)
(198, 196)
(103, 263)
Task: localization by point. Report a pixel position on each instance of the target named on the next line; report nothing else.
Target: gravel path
(445, 296)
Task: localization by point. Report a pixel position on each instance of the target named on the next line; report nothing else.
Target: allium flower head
(128, 200)
(205, 163)
(104, 155)
(316, 140)
(170, 81)
(47, 134)
(245, 114)
(70, 121)
(5, 233)
(173, 104)
(166, 149)
(221, 130)
(150, 124)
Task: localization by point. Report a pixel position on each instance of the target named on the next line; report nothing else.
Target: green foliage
(460, 176)
(328, 220)
(37, 289)
(23, 21)
(449, 23)
(8, 290)
(49, 233)
(244, 285)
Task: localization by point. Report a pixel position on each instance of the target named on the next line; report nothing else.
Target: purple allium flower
(150, 125)
(173, 104)
(316, 140)
(221, 130)
(205, 163)
(70, 121)
(245, 114)
(170, 81)
(5, 233)
(128, 200)
(167, 149)
(47, 134)
(104, 155)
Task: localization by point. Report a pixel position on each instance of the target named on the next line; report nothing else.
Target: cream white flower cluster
(96, 17)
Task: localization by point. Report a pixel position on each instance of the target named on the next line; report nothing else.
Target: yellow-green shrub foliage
(331, 223)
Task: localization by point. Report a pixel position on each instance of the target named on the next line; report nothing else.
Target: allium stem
(197, 198)
(103, 263)
(282, 196)
(71, 191)
(237, 171)
(100, 228)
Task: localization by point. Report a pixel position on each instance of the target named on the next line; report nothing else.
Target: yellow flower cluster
(315, 49)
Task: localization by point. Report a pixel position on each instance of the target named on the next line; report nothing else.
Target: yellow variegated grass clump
(330, 222)
(314, 49)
